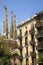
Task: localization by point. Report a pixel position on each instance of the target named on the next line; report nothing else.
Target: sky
(23, 9)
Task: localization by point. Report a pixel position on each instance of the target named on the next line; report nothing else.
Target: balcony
(20, 47)
(21, 58)
(32, 43)
(31, 31)
(38, 25)
(19, 36)
(33, 54)
(40, 63)
(39, 35)
(40, 47)
(41, 60)
(26, 56)
(26, 43)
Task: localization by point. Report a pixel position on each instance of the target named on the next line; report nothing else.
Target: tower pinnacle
(5, 30)
(14, 28)
(11, 25)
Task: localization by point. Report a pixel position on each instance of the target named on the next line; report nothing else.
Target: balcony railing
(19, 36)
(33, 54)
(41, 59)
(20, 47)
(21, 58)
(39, 25)
(40, 63)
(32, 43)
(26, 43)
(39, 35)
(40, 47)
(31, 31)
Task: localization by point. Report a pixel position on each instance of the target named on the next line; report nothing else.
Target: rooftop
(29, 19)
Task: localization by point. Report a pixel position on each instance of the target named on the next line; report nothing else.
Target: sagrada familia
(25, 41)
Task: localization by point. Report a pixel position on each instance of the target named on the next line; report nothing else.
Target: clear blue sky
(22, 8)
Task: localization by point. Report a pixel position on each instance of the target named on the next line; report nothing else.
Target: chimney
(5, 30)
(11, 25)
(14, 28)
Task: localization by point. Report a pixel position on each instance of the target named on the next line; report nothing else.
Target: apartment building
(28, 35)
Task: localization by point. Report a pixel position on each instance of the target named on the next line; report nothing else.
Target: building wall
(24, 28)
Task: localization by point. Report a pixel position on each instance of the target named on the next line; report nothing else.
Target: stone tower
(14, 28)
(11, 25)
(5, 30)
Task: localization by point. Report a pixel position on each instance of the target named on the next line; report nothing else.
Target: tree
(4, 54)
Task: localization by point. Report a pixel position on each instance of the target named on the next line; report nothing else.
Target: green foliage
(41, 58)
(7, 51)
(4, 61)
(1, 43)
(4, 54)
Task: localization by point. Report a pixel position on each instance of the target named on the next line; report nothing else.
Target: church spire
(5, 30)
(11, 25)
(14, 28)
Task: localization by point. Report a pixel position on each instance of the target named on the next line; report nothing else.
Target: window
(27, 62)
(26, 27)
(41, 57)
(39, 20)
(20, 32)
(26, 33)
(40, 30)
(26, 40)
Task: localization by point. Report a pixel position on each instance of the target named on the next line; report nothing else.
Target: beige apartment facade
(23, 29)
